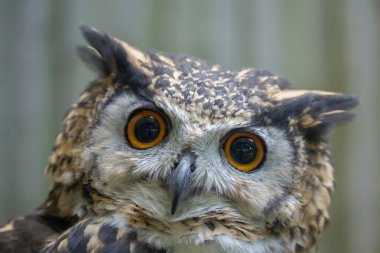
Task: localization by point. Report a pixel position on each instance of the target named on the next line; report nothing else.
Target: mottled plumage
(110, 197)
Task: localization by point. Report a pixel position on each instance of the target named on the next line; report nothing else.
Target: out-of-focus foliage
(329, 45)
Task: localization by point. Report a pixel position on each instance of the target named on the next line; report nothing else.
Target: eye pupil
(147, 129)
(243, 150)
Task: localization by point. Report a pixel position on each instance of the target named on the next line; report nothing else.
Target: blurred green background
(316, 44)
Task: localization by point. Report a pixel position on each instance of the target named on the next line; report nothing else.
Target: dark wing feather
(24, 235)
(97, 235)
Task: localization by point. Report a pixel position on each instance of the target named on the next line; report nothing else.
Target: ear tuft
(102, 45)
(109, 56)
(324, 111)
(316, 111)
(332, 111)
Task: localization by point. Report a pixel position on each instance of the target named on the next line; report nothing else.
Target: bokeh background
(316, 44)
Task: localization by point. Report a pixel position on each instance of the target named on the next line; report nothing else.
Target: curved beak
(179, 182)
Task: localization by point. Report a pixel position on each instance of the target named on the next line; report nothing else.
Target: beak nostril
(175, 165)
(193, 167)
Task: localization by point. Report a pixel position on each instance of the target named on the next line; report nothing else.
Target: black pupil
(243, 150)
(147, 129)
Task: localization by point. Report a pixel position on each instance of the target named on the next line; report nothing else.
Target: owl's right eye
(145, 129)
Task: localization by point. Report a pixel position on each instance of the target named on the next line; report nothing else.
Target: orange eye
(145, 129)
(245, 151)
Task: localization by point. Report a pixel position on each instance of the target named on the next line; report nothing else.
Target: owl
(169, 153)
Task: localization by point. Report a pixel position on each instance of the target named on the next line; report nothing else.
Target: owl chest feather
(190, 235)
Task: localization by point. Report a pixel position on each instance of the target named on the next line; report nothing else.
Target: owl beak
(179, 182)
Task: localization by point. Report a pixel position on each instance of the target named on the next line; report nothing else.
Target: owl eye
(145, 129)
(245, 151)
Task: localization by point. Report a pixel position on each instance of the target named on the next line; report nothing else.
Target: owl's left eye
(145, 129)
(245, 151)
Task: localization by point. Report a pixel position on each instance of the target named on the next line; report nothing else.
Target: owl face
(188, 176)
(181, 151)
(213, 170)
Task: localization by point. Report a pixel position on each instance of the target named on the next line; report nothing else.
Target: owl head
(179, 150)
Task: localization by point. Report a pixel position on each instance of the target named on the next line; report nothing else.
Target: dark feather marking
(77, 242)
(141, 248)
(127, 74)
(107, 234)
(117, 246)
(276, 227)
(210, 225)
(86, 193)
(274, 203)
